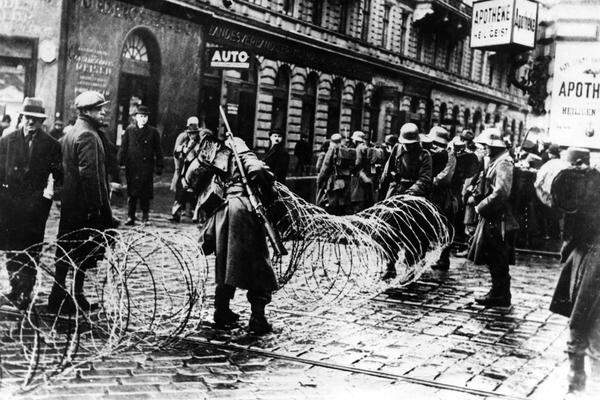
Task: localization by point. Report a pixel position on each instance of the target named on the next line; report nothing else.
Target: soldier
(443, 166)
(361, 183)
(335, 175)
(492, 244)
(85, 206)
(408, 171)
(27, 157)
(141, 154)
(232, 230)
(184, 152)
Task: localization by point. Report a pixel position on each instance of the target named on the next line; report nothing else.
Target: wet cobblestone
(425, 341)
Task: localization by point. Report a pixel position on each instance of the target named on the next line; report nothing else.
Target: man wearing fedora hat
(407, 171)
(141, 153)
(85, 206)
(28, 156)
(492, 243)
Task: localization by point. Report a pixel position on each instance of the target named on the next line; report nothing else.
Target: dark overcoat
(278, 160)
(233, 231)
(24, 175)
(361, 183)
(492, 243)
(407, 172)
(577, 293)
(85, 192)
(333, 180)
(141, 154)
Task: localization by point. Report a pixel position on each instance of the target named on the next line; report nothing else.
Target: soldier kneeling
(232, 231)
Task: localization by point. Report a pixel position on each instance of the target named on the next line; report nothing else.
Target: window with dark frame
(491, 75)
(280, 101)
(344, 11)
(288, 6)
(403, 31)
(366, 8)
(317, 12)
(386, 25)
(334, 106)
(357, 108)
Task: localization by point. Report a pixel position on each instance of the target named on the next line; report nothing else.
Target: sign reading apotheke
(227, 58)
(575, 110)
(504, 23)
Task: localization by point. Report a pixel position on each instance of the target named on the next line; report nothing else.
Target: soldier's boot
(576, 377)
(28, 277)
(258, 321)
(80, 300)
(499, 295)
(390, 271)
(224, 317)
(145, 217)
(443, 264)
(59, 301)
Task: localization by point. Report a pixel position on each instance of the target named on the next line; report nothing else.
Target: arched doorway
(139, 77)
(356, 115)
(281, 93)
(309, 107)
(334, 109)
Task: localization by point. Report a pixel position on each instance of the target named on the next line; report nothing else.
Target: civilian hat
(439, 135)
(90, 99)
(6, 118)
(142, 110)
(409, 133)
(358, 136)
(33, 107)
(576, 156)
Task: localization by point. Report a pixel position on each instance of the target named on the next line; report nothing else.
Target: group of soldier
(469, 179)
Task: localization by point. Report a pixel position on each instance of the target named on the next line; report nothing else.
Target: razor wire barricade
(150, 286)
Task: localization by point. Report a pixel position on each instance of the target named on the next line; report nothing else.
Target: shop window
(375, 111)
(443, 111)
(476, 121)
(334, 106)
(241, 100)
(488, 118)
(309, 107)
(496, 119)
(280, 100)
(357, 108)
(455, 122)
(139, 77)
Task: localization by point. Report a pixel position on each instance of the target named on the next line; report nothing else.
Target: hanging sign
(498, 24)
(232, 59)
(575, 109)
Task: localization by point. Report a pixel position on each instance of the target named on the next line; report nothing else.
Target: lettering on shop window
(94, 69)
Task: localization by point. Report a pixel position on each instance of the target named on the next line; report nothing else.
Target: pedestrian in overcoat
(493, 242)
(232, 231)
(85, 205)
(577, 293)
(28, 156)
(141, 153)
(277, 157)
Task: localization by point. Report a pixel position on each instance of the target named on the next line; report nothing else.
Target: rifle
(257, 206)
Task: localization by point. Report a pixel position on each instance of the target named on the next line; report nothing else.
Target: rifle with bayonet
(257, 206)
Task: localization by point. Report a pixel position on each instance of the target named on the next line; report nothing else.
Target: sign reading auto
(504, 23)
(224, 58)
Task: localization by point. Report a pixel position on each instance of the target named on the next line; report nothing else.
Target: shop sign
(575, 110)
(224, 58)
(504, 23)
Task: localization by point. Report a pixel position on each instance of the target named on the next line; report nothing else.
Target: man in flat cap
(141, 154)
(85, 207)
(28, 156)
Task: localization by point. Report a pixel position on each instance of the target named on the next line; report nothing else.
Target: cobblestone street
(426, 341)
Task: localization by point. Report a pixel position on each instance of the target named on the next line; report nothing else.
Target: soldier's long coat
(492, 244)
(233, 231)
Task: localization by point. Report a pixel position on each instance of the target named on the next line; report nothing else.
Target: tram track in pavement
(484, 394)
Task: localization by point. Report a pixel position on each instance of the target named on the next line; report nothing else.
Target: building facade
(315, 67)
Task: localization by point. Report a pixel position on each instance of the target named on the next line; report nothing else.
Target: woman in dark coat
(141, 154)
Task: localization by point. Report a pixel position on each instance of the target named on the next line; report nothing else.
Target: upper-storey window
(317, 12)
(344, 13)
(387, 8)
(366, 7)
(288, 6)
